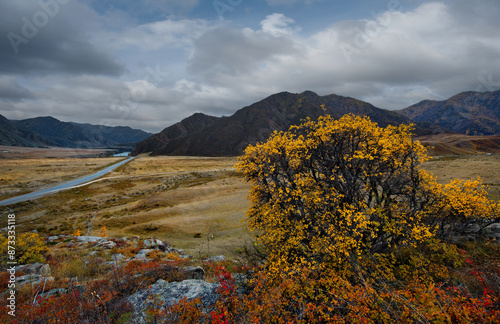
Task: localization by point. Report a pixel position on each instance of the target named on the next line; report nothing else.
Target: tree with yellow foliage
(29, 247)
(328, 192)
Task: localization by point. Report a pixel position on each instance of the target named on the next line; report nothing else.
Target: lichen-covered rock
(107, 244)
(170, 293)
(493, 231)
(37, 268)
(89, 239)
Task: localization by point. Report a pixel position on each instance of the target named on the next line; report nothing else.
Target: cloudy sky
(148, 64)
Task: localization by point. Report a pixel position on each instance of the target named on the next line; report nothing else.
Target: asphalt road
(63, 186)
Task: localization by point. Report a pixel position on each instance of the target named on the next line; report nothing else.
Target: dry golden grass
(19, 176)
(16, 152)
(195, 204)
(470, 167)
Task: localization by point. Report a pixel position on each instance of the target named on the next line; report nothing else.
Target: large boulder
(169, 293)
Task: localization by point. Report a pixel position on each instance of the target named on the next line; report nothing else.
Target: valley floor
(193, 203)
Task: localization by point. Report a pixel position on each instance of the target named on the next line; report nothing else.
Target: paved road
(63, 186)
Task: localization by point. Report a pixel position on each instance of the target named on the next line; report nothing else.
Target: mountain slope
(14, 135)
(114, 134)
(161, 142)
(61, 133)
(50, 131)
(471, 113)
(229, 136)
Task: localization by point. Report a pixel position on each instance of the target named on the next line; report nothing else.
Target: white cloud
(393, 60)
(388, 56)
(278, 24)
(166, 33)
(275, 3)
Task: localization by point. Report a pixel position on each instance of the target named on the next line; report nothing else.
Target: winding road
(65, 185)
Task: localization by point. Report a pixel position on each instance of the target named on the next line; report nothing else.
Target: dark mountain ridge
(470, 113)
(15, 135)
(228, 136)
(49, 131)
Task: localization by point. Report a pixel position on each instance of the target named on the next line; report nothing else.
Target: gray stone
(33, 279)
(493, 231)
(141, 255)
(153, 243)
(34, 268)
(170, 293)
(107, 244)
(89, 239)
(218, 258)
(54, 292)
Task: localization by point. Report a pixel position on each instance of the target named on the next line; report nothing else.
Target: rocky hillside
(470, 113)
(15, 135)
(229, 136)
(166, 139)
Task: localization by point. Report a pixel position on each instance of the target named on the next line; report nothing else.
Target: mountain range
(470, 113)
(228, 136)
(467, 113)
(49, 131)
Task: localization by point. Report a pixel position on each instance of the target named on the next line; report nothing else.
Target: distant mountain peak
(469, 112)
(230, 135)
(49, 131)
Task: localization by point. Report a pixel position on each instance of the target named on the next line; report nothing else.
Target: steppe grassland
(193, 203)
(468, 167)
(20, 176)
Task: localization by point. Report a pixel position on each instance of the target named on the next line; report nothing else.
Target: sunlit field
(196, 204)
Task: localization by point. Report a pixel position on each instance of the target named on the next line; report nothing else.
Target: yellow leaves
(327, 191)
(29, 248)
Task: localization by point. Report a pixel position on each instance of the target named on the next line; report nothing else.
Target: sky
(149, 64)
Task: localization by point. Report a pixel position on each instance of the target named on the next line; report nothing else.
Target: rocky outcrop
(169, 293)
(34, 273)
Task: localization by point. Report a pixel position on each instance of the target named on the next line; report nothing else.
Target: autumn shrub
(330, 193)
(29, 248)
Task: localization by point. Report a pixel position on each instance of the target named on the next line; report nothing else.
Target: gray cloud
(50, 39)
(11, 90)
(225, 51)
(392, 60)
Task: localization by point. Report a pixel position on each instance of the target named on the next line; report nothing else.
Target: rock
(170, 293)
(194, 272)
(153, 243)
(472, 228)
(33, 279)
(89, 239)
(141, 255)
(218, 258)
(493, 231)
(38, 268)
(107, 244)
(117, 257)
(54, 292)
(117, 260)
